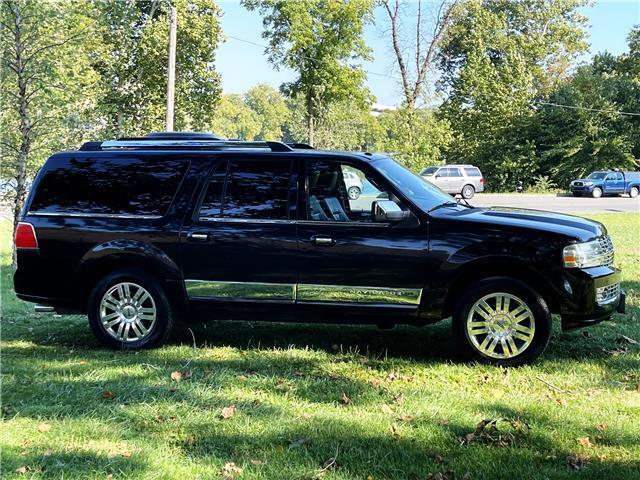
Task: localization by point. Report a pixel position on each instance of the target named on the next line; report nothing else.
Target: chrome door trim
(303, 293)
(92, 215)
(239, 291)
(244, 220)
(358, 294)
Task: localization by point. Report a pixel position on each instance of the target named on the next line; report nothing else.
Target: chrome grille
(577, 184)
(607, 250)
(608, 293)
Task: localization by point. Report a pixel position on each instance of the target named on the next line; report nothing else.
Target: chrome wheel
(597, 192)
(500, 325)
(354, 193)
(128, 312)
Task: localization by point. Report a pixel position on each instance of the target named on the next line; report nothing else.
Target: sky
(243, 65)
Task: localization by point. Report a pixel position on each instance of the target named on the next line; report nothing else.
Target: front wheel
(354, 193)
(597, 192)
(129, 310)
(633, 192)
(468, 192)
(502, 321)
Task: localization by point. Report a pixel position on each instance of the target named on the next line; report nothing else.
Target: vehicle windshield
(597, 175)
(422, 193)
(429, 171)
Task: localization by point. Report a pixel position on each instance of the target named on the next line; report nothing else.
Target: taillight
(26, 236)
(481, 179)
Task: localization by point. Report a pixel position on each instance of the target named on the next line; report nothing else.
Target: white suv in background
(463, 180)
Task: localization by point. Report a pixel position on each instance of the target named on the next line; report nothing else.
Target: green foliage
(541, 184)
(496, 58)
(414, 137)
(132, 62)
(234, 119)
(59, 95)
(271, 110)
(321, 40)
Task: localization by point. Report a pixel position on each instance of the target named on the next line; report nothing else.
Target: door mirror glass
(388, 211)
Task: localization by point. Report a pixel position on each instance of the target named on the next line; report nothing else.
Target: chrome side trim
(280, 292)
(244, 220)
(356, 294)
(91, 215)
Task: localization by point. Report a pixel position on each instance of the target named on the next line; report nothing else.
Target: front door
(240, 245)
(345, 257)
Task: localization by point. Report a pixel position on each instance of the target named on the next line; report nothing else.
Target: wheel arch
(118, 255)
(505, 268)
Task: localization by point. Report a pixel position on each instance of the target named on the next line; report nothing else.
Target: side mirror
(388, 211)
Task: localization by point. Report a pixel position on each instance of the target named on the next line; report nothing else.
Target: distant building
(378, 108)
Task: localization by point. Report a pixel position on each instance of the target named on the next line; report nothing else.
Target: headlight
(588, 254)
(588, 184)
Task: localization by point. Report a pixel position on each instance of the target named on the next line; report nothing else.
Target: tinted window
(116, 186)
(429, 171)
(341, 193)
(472, 172)
(212, 202)
(257, 189)
(454, 172)
(619, 176)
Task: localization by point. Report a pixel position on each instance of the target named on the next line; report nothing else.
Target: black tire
(160, 329)
(576, 194)
(538, 307)
(468, 191)
(597, 192)
(354, 193)
(633, 192)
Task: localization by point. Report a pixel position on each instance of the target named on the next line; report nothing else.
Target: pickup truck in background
(611, 182)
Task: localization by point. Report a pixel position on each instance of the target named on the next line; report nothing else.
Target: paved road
(562, 204)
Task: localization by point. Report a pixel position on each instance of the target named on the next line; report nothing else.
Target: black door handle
(198, 236)
(323, 241)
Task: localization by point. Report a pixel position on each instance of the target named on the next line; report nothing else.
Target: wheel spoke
(136, 330)
(127, 291)
(110, 302)
(119, 332)
(142, 328)
(523, 329)
(125, 335)
(506, 304)
(512, 344)
(505, 347)
(112, 322)
(492, 347)
(522, 336)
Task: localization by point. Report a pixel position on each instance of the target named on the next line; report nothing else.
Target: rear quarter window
(109, 186)
(472, 172)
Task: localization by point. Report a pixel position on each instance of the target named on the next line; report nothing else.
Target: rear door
(240, 244)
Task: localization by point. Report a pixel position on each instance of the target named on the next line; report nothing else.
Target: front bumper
(591, 295)
(583, 189)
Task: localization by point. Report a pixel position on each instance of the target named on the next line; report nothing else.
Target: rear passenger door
(240, 244)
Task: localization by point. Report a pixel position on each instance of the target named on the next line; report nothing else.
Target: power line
(574, 107)
(255, 44)
(559, 105)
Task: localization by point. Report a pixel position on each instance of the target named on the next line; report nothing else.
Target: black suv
(139, 232)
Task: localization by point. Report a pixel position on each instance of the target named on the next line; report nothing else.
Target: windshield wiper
(445, 204)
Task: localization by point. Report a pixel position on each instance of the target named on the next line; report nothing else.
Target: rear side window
(472, 172)
(254, 190)
(453, 172)
(112, 186)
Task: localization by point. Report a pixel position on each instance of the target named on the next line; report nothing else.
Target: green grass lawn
(316, 401)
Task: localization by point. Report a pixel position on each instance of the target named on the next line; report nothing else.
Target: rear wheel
(633, 192)
(468, 192)
(597, 192)
(354, 193)
(502, 321)
(130, 310)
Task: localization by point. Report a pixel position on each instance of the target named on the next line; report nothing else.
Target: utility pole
(171, 71)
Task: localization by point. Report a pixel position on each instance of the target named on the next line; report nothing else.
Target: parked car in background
(138, 232)
(352, 183)
(464, 180)
(610, 182)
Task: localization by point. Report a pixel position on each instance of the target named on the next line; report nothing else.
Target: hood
(576, 228)
(585, 180)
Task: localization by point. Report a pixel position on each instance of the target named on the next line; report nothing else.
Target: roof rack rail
(202, 144)
(300, 146)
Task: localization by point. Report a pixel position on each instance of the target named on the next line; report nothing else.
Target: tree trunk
(25, 122)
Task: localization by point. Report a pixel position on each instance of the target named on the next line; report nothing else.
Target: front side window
(254, 190)
(340, 193)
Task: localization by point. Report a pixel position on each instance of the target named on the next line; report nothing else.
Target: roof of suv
(207, 142)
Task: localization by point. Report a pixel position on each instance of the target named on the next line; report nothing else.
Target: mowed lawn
(294, 401)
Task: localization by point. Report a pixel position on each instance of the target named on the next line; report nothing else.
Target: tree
(496, 59)
(321, 40)
(415, 65)
(588, 134)
(133, 60)
(47, 85)
(234, 119)
(271, 110)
